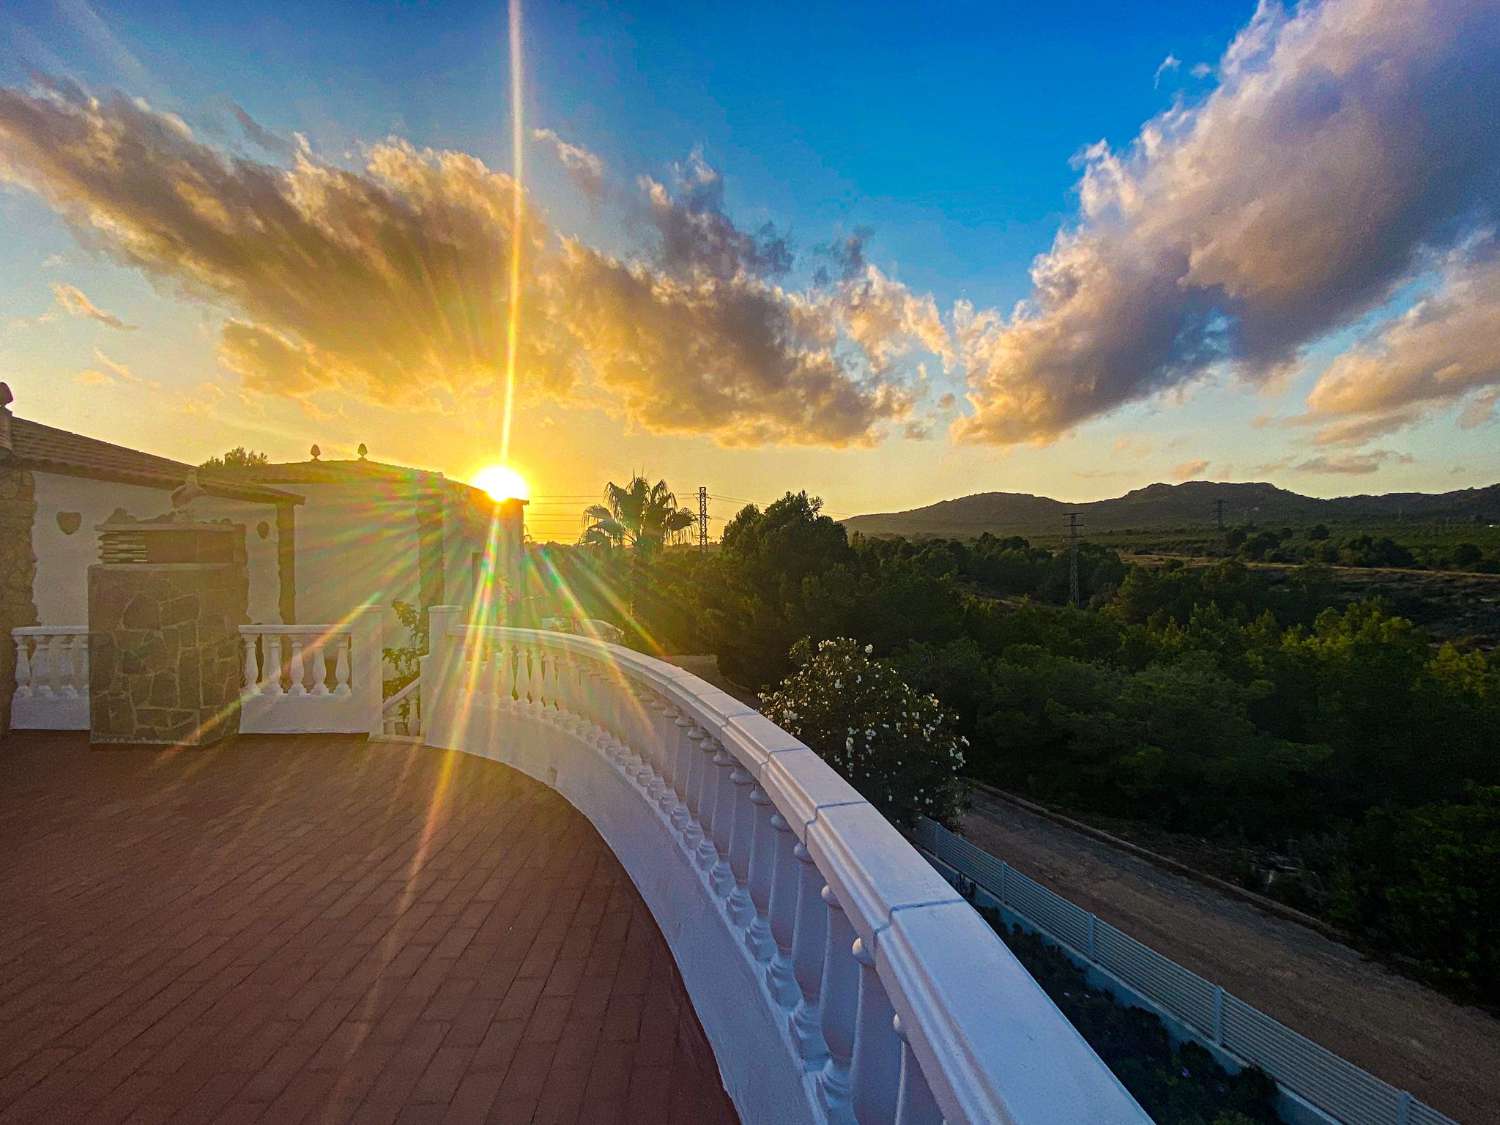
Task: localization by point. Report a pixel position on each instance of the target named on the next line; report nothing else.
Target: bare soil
(1446, 1054)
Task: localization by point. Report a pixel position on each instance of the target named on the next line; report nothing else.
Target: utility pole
(1073, 558)
(702, 519)
(1219, 513)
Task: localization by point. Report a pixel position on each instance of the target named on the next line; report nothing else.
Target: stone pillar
(165, 606)
(17, 568)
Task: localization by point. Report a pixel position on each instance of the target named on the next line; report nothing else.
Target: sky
(886, 255)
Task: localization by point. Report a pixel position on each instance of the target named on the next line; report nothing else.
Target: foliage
(898, 747)
(639, 515)
(1176, 1085)
(236, 459)
(1425, 883)
(404, 661)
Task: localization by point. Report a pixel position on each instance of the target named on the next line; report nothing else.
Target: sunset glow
(502, 483)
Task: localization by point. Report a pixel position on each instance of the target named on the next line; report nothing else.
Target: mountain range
(1161, 506)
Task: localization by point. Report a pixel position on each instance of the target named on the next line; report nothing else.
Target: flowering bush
(898, 747)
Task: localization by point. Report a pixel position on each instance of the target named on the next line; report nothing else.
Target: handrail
(882, 995)
(413, 688)
(49, 631)
(295, 630)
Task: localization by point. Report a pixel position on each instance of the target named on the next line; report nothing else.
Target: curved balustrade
(837, 976)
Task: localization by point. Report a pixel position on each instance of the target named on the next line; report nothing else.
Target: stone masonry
(17, 571)
(164, 650)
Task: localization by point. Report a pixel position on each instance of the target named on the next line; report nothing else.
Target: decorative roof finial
(316, 452)
(363, 450)
(6, 398)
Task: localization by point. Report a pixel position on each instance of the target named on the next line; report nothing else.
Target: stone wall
(17, 572)
(165, 655)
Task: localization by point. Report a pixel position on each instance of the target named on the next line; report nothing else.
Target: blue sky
(951, 134)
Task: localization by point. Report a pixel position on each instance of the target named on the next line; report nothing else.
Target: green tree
(638, 516)
(236, 459)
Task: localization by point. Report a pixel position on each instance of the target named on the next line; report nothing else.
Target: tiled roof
(50, 449)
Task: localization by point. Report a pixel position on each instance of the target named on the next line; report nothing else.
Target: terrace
(598, 889)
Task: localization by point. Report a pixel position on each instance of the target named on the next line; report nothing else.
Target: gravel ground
(1446, 1054)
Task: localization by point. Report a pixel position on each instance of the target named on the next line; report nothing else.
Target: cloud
(584, 167)
(1167, 65)
(385, 282)
(695, 234)
(112, 373)
(75, 302)
(259, 135)
(1190, 470)
(1442, 351)
(1342, 144)
(1354, 464)
(1201, 70)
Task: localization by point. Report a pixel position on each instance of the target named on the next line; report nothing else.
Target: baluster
(721, 878)
(271, 668)
(81, 643)
(708, 800)
(251, 669)
(523, 676)
(875, 1071)
(780, 978)
(341, 643)
(41, 667)
(654, 714)
(741, 909)
(840, 1004)
(494, 684)
(65, 667)
(692, 829)
(809, 939)
(320, 667)
(915, 1104)
(681, 767)
(23, 667)
(758, 884)
(297, 674)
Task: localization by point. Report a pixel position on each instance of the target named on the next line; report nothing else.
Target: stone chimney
(6, 398)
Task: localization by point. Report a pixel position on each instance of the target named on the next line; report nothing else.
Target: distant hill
(1161, 506)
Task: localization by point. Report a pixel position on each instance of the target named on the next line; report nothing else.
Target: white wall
(467, 531)
(63, 561)
(356, 544)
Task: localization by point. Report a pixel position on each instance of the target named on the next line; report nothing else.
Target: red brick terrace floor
(325, 930)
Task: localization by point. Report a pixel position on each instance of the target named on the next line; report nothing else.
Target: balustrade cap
(992, 1044)
(872, 868)
(800, 784)
(49, 631)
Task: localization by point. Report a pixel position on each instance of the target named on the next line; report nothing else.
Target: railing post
(840, 1005)
(23, 666)
(81, 644)
(1093, 936)
(367, 678)
(915, 1104)
(297, 674)
(1219, 1014)
(780, 975)
(41, 667)
(270, 673)
(762, 865)
(251, 670)
(809, 938)
(875, 1071)
(1403, 1108)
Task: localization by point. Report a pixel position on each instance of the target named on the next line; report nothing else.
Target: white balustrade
(837, 976)
(287, 684)
(52, 678)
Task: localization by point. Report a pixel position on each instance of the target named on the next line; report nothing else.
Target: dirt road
(1445, 1054)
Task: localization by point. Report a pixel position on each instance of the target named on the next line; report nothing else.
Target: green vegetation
(1176, 1085)
(1332, 740)
(237, 458)
(898, 747)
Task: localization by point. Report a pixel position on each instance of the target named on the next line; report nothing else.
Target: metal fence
(1331, 1084)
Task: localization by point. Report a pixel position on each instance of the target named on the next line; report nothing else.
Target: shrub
(901, 749)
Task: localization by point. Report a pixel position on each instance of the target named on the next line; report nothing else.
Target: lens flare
(502, 483)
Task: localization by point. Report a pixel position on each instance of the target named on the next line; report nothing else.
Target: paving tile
(323, 929)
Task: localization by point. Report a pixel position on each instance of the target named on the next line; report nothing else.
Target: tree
(638, 515)
(236, 459)
(901, 749)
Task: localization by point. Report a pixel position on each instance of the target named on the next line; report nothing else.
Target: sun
(502, 483)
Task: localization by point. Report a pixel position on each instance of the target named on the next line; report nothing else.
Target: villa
(592, 887)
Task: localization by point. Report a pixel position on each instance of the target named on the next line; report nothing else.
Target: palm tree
(640, 516)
